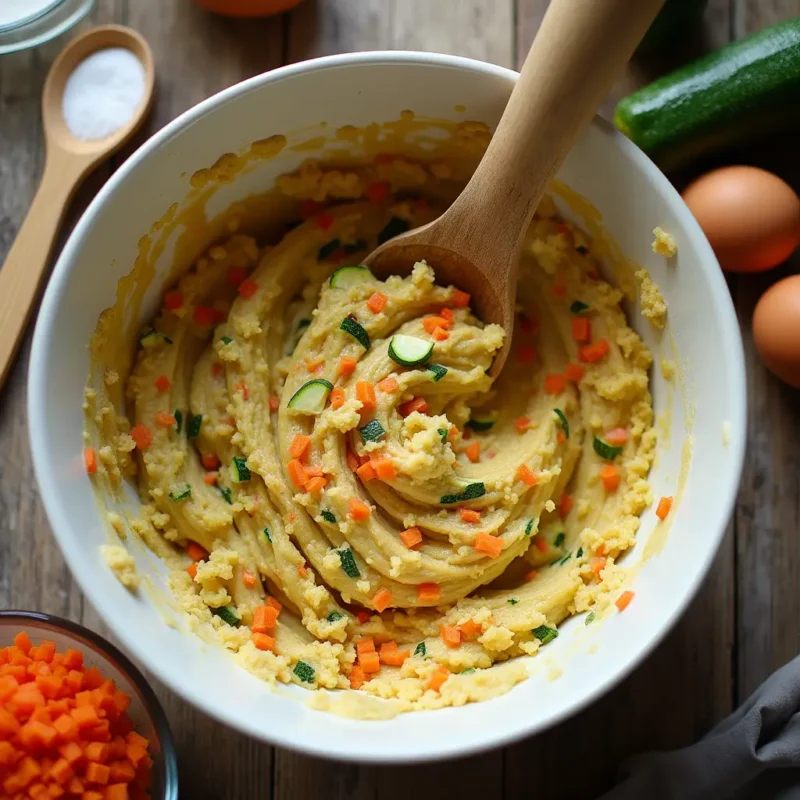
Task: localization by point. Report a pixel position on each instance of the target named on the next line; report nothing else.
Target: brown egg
(776, 329)
(750, 216)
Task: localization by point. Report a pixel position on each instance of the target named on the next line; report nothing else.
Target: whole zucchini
(745, 89)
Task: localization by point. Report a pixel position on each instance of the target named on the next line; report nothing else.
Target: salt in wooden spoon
(581, 47)
(68, 161)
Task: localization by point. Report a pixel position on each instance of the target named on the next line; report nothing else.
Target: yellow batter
(444, 522)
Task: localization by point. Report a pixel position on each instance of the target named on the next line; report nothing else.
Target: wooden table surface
(745, 621)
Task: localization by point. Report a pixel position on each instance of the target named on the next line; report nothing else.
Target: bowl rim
(151, 702)
(732, 351)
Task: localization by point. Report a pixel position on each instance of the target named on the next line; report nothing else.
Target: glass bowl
(41, 26)
(145, 711)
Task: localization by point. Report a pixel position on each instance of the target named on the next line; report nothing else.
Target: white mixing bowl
(633, 196)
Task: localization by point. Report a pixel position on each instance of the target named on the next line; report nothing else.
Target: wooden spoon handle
(27, 260)
(580, 49)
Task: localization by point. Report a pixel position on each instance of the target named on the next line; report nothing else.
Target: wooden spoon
(581, 47)
(68, 161)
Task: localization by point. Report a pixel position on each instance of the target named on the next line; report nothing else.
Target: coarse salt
(102, 93)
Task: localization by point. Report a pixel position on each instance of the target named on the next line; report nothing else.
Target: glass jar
(27, 24)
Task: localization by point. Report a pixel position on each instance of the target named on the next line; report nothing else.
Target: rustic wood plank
(479, 29)
(768, 512)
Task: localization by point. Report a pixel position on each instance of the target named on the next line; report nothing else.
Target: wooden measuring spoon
(581, 47)
(68, 161)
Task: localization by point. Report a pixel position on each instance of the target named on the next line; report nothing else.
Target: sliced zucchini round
(310, 398)
(350, 275)
(409, 351)
(480, 423)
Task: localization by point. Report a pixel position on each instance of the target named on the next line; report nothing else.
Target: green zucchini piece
(193, 425)
(605, 450)
(268, 535)
(480, 423)
(349, 562)
(328, 249)
(184, 493)
(226, 496)
(151, 338)
(372, 431)
(409, 351)
(532, 523)
(327, 516)
(559, 540)
(545, 634)
(227, 614)
(357, 331)
(178, 414)
(311, 397)
(421, 650)
(578, 307)
(590, 617)
(746, 89)
(443, 433)
(471, 492)
(239, 471)
(438, 371)
(562, 421)
(225, 339)
(350, 275)
(334, 615)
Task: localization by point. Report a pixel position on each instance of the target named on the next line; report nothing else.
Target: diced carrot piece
(73, 659)
(96, 751)
(366, 472)
(264, 619)
(432, 323)
(72, 752)
(347, 366)
(559, 286)
(192, 571)
(85, 716)
(428, 592)
(522, 424)
(574, 372)
(324, 220)
(554, 383)
(581, 329)
(590, 353)
(492, 546)
(316, 485)
(142, 435)
(451, 635)
(377, 192)
(370, 663)
(411, 537)
(440, 334)
(664, 506)
(358, 510)
(438, 678)
(27, 698)
(337, 397)
(248, 579)
(263, 642)
(365, 392)
(381, 600)
(561, 437)
(135, 753)
(204, 315)
(216, 369)
(366, 644)
(459, 299)
(565, 505)
(377, 302)
(247, 288)
(470, 515)
(610, 477)
(90, 460)
(49, 685)
(414, 404)
(273, 603)
(473, 452)
(314, 471)
(173, 300)
(470, 629)
(34, 734)
(624, 600)
(164, 420)
(597, 564)
(196, 552)
(525, 353)
(357, 677)
(527, 475)
(384, 468)
(447, 315)
(313, 364)
(121, 771)
(116, 791)
(300, 446)
(91, 794)
(236, 275)
(274, 402)
(388, 385)
(393, 657)
(23, 642)
(9, 724)
(97, 773)
(297, 473)
(616, 436)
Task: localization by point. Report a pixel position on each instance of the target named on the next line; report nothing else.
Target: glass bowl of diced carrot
(77, 718)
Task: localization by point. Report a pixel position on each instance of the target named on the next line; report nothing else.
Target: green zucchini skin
(745, 89)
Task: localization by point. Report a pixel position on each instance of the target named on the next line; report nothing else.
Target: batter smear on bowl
(345, 498)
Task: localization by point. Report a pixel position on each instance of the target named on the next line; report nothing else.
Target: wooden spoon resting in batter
(581, 47)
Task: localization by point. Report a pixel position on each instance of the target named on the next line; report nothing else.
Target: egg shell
(776, 329)
(750, 216)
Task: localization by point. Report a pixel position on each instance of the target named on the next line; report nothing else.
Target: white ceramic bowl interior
(633, 196)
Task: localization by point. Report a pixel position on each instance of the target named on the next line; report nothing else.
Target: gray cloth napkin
(754, 754)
